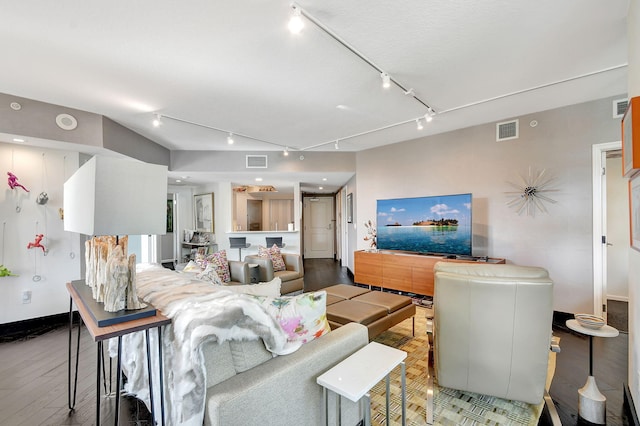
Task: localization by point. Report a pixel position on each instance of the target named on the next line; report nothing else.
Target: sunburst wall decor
(529, 196)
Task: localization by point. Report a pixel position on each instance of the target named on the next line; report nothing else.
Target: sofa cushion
(275, 255)
(302, 317)
(268, 289)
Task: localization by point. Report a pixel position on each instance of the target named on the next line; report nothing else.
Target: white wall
(633, 32)
(470, 160)
(39, 170)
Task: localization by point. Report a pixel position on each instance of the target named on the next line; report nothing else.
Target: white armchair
(492, 332)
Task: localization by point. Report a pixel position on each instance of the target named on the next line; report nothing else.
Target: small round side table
(592, 403)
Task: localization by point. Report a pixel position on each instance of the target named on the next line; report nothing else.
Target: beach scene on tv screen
(434, 224)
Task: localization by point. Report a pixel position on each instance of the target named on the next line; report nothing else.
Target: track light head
(419, 124)
(428, 117)
(337, 145)
(157, 120)
(230, 140)
(386, 80)
(286, 151)
(296, 24)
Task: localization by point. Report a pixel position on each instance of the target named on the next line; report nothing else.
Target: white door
(318, 227)
(610, 228)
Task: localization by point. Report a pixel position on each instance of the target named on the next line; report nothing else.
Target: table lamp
(110, 196)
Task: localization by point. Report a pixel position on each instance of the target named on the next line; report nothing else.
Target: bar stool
(239, 243)
(275, 240)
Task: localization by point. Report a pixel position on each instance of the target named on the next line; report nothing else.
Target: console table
(407, 272)
(88, 314)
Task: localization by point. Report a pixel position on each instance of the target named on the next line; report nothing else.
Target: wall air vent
(256, 161)
(619, 107)
(507, 130)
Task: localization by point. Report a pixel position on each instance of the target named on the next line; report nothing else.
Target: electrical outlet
(26, 296)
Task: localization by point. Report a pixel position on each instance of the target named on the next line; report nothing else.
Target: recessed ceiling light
(324, 179)
(178, 181)
(18, 140)
(341, 106)
(258, 179)
(15, 106)
(320, 187)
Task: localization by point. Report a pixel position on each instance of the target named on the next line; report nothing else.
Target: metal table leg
(72, 402)
(98, 360)
(161, 374)
(153, 417)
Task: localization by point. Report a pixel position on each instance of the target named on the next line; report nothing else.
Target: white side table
(357, 374)
(592, 403)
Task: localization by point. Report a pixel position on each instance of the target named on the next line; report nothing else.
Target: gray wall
(470, 160)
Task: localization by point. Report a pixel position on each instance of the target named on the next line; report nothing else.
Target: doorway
(319, 232)
(610, 233)
(254, 215)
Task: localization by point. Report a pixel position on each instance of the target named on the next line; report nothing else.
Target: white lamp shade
(114, 196)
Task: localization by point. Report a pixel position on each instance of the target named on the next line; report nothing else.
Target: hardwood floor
(33, 372)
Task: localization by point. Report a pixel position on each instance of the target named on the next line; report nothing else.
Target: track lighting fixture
(230, 139)
(336, 145)
(429, 115)
(157, 120)
(296, 24)
(419, 124)
(386, 80)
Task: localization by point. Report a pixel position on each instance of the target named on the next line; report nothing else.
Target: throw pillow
(192, 267)
(302, 317)
(275, 255)
(270, 289)
(210, 274)
(220, 263)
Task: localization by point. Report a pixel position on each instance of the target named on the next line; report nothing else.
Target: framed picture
(634, 211)
(631, 138)
(350, 207)
(203, 208)
(169, 216)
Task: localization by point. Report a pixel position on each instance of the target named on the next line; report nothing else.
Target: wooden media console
(406, 272)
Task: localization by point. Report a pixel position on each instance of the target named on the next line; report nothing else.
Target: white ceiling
(233, 65)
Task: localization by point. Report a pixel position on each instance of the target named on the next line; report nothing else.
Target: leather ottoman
(378, 310)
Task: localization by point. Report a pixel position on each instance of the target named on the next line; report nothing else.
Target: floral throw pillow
(275, 255)
(220, 263)
(210, 274)
(302, 317)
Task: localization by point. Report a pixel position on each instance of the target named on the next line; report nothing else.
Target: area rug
(452, 407)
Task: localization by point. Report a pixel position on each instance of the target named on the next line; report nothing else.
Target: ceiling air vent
(619, 107)
(507, 130)
(256, 161)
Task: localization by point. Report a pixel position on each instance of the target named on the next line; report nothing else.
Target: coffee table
(592, 403)
(357, 374)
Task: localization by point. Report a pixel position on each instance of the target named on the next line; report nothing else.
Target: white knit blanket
(200, 312)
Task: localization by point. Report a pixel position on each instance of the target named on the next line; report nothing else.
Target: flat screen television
(435, 225)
